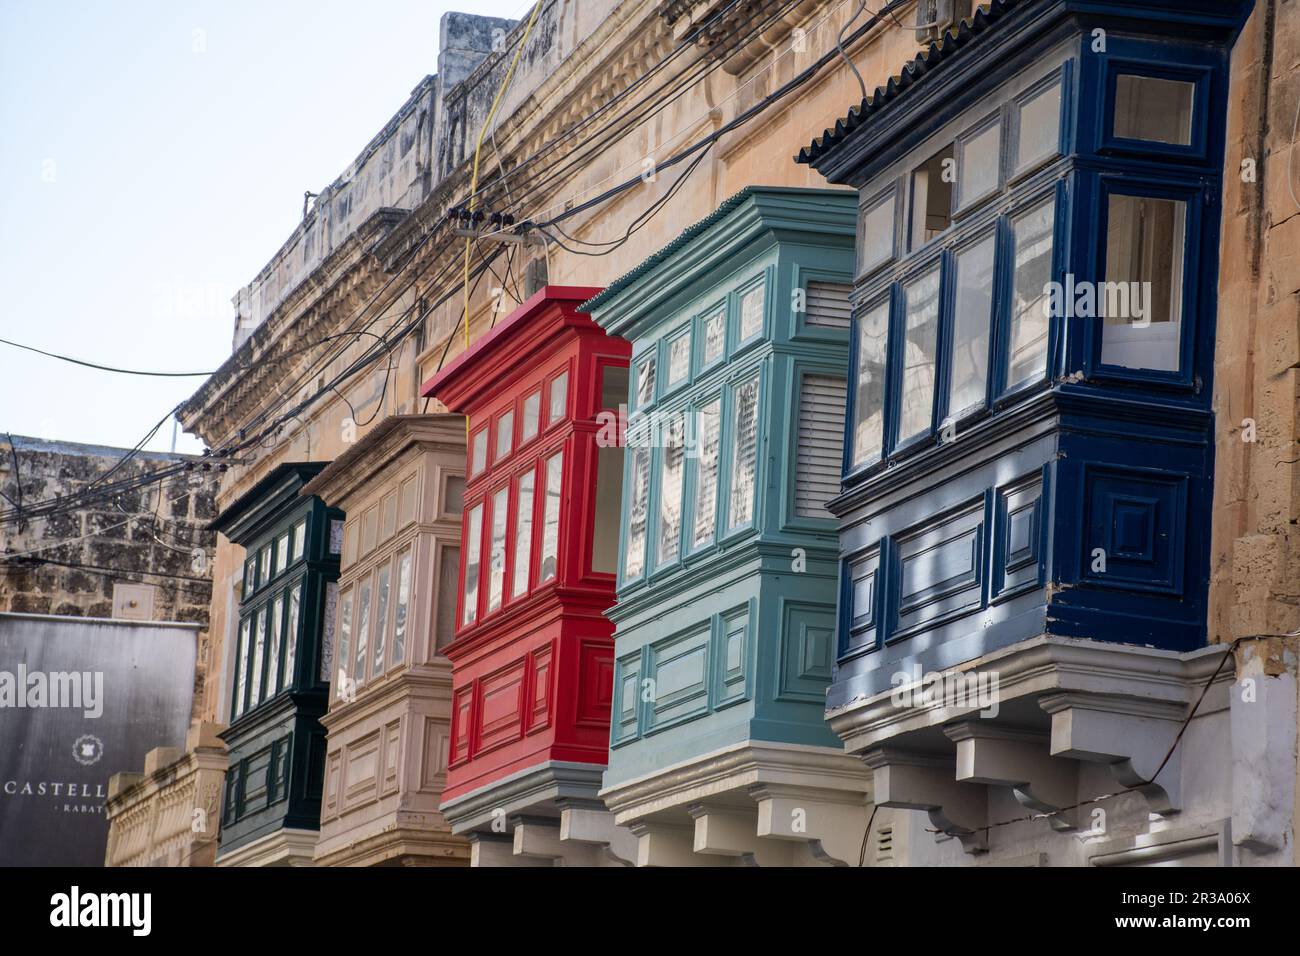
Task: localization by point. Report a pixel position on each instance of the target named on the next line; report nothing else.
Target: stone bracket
(832, 826)
(614, 844)
(1001, 756)
(1131, 737)
(919, 781)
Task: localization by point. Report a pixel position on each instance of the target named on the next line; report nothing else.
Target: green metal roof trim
(953, 42)
(686, 235)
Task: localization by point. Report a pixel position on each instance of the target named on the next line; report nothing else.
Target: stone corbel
(541, 840)
(1000, 756)
(614, 844)
(668, 844)
(831, 825)
(910, 780)
(489, 850)
(1130, 736)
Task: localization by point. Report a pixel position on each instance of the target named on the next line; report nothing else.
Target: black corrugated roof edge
(952, 42)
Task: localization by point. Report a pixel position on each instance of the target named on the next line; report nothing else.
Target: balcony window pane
(744, 455)
(523, 535)
(473, 552)
(1039, 129)
(931, 198)
(403, 605)
(448, 569)
(291, 631)
(282, 551)
(679, 360)
(381, 620)
(609, 509)
(1142, 299)
(1032, 238)
(241, 668)
(715, 336)
(980, 158)
(672, 471)
(869, 403)
(532, 416)
(613, 386)
(299, 539)
(363, 631)
(705, 509)
(277, 635)
(972, 316)
(920, 343)
(267, 572)
(645, 382)
(345, 643)
(478, 458)
(1154, 109)
(877, 240)
(505, 435)
(497, 551)
(558, 406)
(751, 313)
(549, 564)
(259, 654)
(634, 559)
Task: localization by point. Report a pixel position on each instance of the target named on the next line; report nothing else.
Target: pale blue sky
(153, 157)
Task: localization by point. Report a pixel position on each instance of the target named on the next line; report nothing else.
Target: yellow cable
(473, 182)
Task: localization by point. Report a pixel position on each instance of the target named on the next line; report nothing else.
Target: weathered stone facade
(68, 563)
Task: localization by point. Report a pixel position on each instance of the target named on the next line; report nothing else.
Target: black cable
(104, 368)
(18, 483)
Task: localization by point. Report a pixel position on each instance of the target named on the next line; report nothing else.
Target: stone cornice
(1141, 681)
(740, 767)
(384, 448)
(233, 393)
(431, 682)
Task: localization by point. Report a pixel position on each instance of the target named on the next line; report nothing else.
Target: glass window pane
(980, 159)
(1141, 301)
(505, 434)
(277, 635)
(548, 567)
(473, 553)
(448, 569)
(751, 313)
(532, 416)
(609, 509)
(259, 654)
(972, 317)
(381, 620)
(679, 360)
(250, 574)
(497, 550)
(291, 633)
(1154, 109)
(523, 535)
(645, 382)
(267, 572)
(704, 509)
(363, 631)
(931, 198)
(876, 242)
(920, 343)
(869, 402)
(344, 655)
(558, 406)
(715, 336)
(634, 559)
(282, 551)
(478, 460)
(744, 455)
(672, 471)
(241, 668)
(1039, 129)
(1032, 242)
(299, 539)
(613, 386)
(404, 603)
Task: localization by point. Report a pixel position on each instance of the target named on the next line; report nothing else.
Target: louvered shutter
(821, 444)
(828, 305)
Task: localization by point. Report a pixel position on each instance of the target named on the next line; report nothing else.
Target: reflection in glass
(869, 403)
(523, 535)
(1142, 299)
(972, 313)
(1154, 109)
(1039, 129)
(474, 547)
(920, 343)
(744, 455)
(1032, 239)
(548, 567)
(709, 425)
(634, 559)
(672, 471)
(497, 551)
